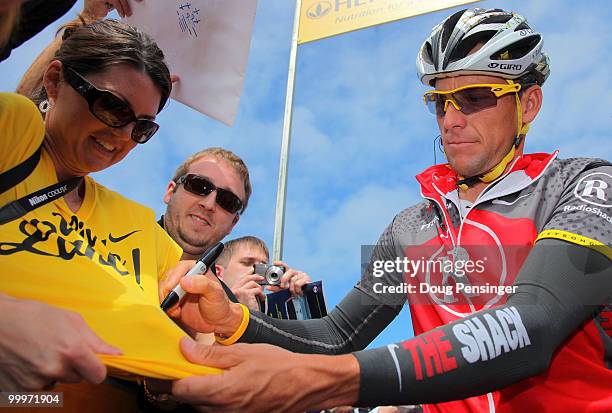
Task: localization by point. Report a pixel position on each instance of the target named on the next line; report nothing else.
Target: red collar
(444, 178)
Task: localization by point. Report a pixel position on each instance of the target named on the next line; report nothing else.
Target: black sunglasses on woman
(108, 108)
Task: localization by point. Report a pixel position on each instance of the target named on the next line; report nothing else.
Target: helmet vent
(464, 48)
(522, 26)
(428, 55)
(449, 26)
(518, 50)
(496, 19)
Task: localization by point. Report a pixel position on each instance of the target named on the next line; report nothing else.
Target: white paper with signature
(206, 43)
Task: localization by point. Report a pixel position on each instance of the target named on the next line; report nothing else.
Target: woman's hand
(41, 345)
(98, 9)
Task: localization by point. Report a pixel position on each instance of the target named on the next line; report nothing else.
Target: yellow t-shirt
(103, 261)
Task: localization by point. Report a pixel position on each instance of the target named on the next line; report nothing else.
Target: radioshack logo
(318, 10)
(488, 336)
(595, 189)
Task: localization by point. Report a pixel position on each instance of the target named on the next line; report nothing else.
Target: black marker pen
(203, 264)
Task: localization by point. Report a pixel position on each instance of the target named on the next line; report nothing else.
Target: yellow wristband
(243, 326)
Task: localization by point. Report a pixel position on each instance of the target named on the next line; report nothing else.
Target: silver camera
(272, 273)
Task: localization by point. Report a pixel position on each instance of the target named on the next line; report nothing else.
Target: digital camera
(272, 273)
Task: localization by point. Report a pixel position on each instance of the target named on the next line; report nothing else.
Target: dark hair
(94, 47)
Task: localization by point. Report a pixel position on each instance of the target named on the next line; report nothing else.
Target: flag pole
(281, 193)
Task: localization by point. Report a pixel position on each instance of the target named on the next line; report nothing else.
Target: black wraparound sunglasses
(200, 185)
(110, 109)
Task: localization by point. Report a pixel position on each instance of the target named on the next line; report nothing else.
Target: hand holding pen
(201, 266)
(206, 307)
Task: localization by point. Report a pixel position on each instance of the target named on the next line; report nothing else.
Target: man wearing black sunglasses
(205, 199)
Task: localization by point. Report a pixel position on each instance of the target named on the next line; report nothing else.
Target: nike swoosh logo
(122, 237)
(391, 348)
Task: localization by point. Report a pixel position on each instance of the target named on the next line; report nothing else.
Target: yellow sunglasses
(468, 99)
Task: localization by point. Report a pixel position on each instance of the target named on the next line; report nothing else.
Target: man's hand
(206, 308)
(293, 279)
(41, 345)
(264, 378)
(98, 9)
(247, 289)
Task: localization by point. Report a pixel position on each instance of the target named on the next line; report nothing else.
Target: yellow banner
(324, 18)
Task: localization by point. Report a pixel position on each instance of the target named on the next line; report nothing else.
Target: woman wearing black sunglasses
(102, 102)
(99, 97)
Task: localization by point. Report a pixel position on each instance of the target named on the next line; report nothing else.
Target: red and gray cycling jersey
(540, 197)
(546, 344)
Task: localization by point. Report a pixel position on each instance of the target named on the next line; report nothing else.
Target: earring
(45, 106)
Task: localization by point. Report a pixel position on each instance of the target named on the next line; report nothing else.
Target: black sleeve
(34, 16)
(560, 286)
(350, 326)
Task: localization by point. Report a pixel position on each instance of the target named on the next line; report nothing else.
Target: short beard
(188, 244)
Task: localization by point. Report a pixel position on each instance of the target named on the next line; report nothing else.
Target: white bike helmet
(510, 48)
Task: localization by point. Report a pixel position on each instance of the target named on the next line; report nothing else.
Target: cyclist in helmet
(508, 253)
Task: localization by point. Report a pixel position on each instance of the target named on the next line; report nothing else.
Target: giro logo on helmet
(505, 66)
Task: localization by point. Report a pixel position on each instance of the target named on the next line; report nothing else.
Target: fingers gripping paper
(206, 43)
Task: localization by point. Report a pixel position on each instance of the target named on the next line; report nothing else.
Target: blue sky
(360, 130)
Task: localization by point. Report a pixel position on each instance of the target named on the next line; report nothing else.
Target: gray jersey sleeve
(559, 287)
(583, 215)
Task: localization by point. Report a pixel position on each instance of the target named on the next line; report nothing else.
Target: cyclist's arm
(350, 326)
(559, 287)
